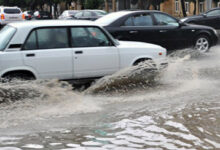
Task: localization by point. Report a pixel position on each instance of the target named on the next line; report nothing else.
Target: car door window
(129, 22)
(213, 13)
(87, 14)
(78, 15)
(165, 20)
(139, 20)
(50, 38)
(88, 37)
(31, 42)
(143, 20)
(47, 38)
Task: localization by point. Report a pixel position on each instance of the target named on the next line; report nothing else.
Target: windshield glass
(12, 11)
(5, 36)
(101, 13)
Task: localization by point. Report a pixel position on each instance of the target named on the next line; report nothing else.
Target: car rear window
(12, 11)
(44, 13)
(5, 36)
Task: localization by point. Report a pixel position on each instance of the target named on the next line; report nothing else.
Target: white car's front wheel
(202, 44)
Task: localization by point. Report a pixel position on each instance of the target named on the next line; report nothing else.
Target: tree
(183, 8)
(145, 4)
(93, 4)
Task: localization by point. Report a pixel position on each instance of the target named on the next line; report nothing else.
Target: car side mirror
(181, 23)
(204, 15)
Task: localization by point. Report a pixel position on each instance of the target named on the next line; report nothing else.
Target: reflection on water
(180, 110)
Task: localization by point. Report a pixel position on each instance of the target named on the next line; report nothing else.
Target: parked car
(210, 18)
(28, 15)
(10, 14)
(67, 49)
(158, 28)
(68, 14)
(42, 15)
(90, 14)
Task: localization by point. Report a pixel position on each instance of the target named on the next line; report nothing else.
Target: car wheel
(202, 44)
(18, 76)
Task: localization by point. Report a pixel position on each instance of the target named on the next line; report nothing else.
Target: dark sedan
(89, 14)
(210, 18)
(158, 28)
(42, 15)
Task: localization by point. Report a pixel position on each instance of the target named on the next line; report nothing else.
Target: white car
(67, 49)
(10, 14)
(68, 14)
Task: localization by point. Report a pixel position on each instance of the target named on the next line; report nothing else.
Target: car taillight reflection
(23, 16)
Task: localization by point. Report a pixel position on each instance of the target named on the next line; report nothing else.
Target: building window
(187, 7)
(177, 5)
(201, 7)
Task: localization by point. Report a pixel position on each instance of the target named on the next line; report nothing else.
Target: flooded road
(179, 110)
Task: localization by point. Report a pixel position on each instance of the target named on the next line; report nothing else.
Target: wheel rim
(202, 44)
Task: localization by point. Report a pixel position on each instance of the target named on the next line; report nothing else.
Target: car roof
(213, 9)
(50, 23)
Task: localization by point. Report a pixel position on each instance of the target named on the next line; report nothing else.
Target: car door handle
(30, 55)
(133, 32)
(78, 52)
(162, 31)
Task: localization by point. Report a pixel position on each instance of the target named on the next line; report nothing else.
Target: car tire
(202, 43)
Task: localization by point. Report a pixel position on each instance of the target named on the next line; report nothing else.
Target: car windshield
(5, 36)
(12, 11)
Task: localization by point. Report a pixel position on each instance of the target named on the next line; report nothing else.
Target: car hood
(186, 19)
(132, 44)
(194, 26)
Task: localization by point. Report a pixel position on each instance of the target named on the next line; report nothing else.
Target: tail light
(29, 16)
(2, 16)
(38, 16)
(23, 16)
(160, 53)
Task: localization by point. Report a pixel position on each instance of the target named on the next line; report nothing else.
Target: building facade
(172, 7)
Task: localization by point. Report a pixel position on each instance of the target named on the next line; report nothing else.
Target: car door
(168, 31)
(47, 51)
(137, 27)
(94, 53)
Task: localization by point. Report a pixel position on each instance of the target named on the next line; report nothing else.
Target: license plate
(13, 17)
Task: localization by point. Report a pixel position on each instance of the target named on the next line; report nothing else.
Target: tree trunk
(55, 10)
(183, 8)
(149, 2)
(194, 12)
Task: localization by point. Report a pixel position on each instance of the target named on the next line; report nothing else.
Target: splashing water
(179, 110)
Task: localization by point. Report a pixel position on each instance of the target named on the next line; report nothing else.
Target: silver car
(68, 14)
(10, 14)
